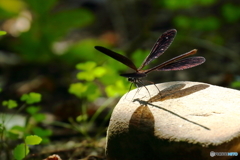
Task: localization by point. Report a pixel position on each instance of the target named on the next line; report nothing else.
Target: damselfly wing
(177, 63)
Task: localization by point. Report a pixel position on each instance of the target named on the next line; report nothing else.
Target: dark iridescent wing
(116, 56)
(178, 63)
(160, 46)
(183, 64)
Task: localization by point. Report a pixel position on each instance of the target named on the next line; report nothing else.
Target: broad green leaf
(16, 132)
(17, 129)
(33, 140)
(39, 117)
(89, 71)
(112, 74)
(86, 66)
(117, 89)
(33, 109)
(10, 103)
(45, 140)
(88, 76)
(42, 132)
(77, 89)
(92, 92)
(20, 151)
(82, 118)
(31, 98)
(99, 71)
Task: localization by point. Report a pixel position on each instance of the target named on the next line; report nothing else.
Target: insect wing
(116, 56)
(183, 64)
(160, 46)
(170, 61)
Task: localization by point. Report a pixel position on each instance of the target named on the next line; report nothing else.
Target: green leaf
(16, 132)
(99, 71)
(88, 76)
(31, 98)
(42, 132)
(88, 90)
(32, 109)
(92, 92)
(10, 103)
(117, 89)
(39, 117)
(33, 140)
(86, 66)
(45, 140)
(82, 118)
(2, 33)
(20, 151)
(89, 71)
(77, 89)
(86, 73)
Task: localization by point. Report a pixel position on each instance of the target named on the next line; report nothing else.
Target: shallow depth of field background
(49, 49)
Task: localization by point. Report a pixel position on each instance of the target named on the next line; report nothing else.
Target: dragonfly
(177, 63)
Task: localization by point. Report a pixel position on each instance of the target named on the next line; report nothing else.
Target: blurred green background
(45, 41)
(49, 48)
